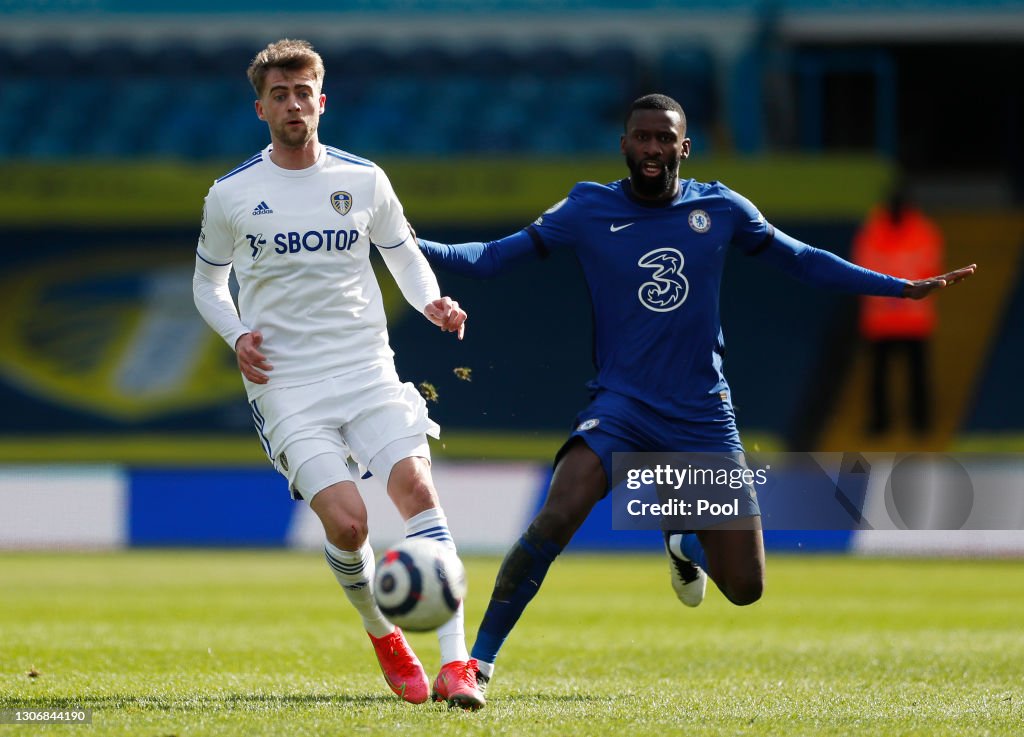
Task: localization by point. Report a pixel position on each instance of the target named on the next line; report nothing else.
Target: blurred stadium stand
(539, 78)
(181, 100)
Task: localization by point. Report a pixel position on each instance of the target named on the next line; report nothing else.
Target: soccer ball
(419, 584)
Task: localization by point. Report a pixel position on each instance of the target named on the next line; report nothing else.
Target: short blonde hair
(291, 54)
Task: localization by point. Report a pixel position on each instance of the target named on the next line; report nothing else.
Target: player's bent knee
(345, 523)
(418, 489)
(346, 533)
(411, 487)
(343, 528)
(744, 590)
(405, 463)
(578, 484)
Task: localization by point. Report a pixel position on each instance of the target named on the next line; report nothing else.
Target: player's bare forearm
(447, 315)
(921, 288)
(251, 361)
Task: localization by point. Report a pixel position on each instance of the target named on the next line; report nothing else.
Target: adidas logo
(262, 209)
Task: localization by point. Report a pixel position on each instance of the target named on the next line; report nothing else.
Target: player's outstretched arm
(825, 269)
(447, 315)
(921, 288)
(480, 260)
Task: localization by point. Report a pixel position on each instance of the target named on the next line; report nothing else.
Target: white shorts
(368, 419)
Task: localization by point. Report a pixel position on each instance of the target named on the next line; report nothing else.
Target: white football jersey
(299, 242)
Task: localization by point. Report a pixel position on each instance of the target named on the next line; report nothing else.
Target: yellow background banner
(434, 192)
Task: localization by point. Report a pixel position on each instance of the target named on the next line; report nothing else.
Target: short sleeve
(557, 227)
(388, 228)
(751, 232)
(216, 241)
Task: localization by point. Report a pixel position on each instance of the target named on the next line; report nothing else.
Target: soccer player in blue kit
(652, 249)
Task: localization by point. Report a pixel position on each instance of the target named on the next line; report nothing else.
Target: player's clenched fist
(251, 361)
(447, 315)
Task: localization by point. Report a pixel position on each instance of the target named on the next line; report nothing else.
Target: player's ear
(259, 110)
(622, 143)
(684, 149)
(323, 102)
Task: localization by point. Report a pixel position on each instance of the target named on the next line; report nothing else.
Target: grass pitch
(263, 643)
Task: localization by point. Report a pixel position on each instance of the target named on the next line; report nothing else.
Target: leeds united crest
(342, 202)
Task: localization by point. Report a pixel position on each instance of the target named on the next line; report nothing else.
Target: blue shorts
(614, 423)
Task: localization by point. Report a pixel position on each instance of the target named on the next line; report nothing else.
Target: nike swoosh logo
(617, 228)
(396, 687)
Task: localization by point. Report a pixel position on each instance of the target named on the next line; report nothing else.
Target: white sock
(486, 669)
(354, 570)
(675, 546)
(452, 635)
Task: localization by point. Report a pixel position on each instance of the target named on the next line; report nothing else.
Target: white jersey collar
(321, 158)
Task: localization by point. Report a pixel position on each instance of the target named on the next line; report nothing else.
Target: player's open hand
(251, 361)
(923, 287)
(447, 315)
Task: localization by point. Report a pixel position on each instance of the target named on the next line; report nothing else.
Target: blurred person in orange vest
(898, 238)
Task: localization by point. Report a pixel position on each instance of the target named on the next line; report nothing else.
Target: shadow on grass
(186, 702)
(248, 701)
(541, 699)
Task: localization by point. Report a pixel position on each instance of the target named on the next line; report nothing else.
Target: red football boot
(456, 684)
(401, 668)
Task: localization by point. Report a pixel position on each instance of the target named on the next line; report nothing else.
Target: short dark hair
(655, 102)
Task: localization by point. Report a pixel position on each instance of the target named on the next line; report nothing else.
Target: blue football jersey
(654, 272)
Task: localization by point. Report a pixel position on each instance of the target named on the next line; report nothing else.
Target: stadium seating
(121, 99)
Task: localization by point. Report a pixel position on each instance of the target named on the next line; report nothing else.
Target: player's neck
(295, 157)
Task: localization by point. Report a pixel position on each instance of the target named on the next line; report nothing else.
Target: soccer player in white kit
(296, 222)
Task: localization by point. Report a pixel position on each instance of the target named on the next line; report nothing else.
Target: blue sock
(693, 550)
(518, 581)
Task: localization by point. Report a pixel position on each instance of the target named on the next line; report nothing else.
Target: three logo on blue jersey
(668, 287)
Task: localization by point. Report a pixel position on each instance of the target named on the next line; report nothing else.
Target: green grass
(263, 643)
